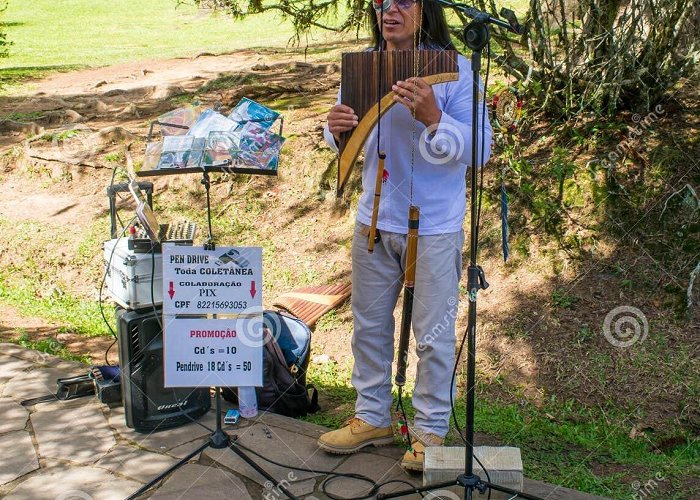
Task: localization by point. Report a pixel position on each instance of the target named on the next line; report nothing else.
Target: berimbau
(362, 90)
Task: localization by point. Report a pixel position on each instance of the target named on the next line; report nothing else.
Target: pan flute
(360, 89)
(310, 303)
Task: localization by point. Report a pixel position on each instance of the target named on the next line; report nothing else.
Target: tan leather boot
(413, 460)
(355, 435)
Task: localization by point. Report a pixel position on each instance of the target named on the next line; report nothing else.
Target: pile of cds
(195, 138)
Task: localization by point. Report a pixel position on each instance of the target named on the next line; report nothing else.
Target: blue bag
(287, 344)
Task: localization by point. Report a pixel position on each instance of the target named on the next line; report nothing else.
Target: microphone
(381, 5)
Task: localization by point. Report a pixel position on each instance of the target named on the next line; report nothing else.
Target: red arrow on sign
(171, 290)
(252, 289)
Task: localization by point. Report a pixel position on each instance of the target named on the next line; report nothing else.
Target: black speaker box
(148, 405)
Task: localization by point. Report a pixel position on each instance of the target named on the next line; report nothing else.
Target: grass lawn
(51, 36)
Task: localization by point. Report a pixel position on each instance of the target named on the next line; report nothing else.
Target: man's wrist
(433, 119)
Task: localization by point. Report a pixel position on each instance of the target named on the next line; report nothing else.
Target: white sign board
(213, 352)
(227, 280)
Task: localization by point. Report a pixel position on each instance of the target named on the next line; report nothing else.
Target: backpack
(287, 344)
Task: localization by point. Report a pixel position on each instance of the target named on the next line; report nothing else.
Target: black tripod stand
(218, 439)
(476, 36)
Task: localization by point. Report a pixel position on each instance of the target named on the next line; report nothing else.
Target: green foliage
(548, 191)
(117, 157)
(337, 395)
(60, 136)
(4, 42)
(564, 442)
(584, 334)
(18, 75)
(73, 314)
(30, 284)
(561, 168)
(24, 117)
(589, 55)
(228, 81)
(582, 55)
(563, 299)
(182, 99)
(51, 346)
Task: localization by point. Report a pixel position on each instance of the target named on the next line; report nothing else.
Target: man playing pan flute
(427, 141)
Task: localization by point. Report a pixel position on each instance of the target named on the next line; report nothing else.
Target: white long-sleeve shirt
(439, 160)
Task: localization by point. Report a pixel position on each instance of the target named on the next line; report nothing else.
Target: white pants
(377, 280)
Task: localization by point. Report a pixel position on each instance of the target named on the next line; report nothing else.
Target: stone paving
(82, 449)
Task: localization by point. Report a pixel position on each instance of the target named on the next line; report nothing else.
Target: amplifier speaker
(148, 405)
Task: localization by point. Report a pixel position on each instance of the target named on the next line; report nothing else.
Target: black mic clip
(509, 16)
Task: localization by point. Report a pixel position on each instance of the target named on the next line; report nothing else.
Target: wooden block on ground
(445, 463)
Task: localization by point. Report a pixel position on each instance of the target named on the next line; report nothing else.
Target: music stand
(218, 439)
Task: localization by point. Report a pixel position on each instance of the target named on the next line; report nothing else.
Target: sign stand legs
(217, 440)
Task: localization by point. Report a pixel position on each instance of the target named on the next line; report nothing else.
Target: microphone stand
(476, 37)
(483, 18)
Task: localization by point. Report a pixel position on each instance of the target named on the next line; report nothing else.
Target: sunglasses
(384, 5)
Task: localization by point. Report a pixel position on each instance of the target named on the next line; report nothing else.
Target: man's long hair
(434, 32)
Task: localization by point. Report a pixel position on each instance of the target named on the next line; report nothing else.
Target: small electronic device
(148, 221)
(232, 417)
(145, 213)
(180, 232)
(154, 233)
